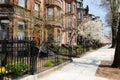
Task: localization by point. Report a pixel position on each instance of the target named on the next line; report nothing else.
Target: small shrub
(49, 63)
(18, 68)
(60, 60)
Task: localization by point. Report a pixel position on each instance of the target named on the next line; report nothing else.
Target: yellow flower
(2, 70)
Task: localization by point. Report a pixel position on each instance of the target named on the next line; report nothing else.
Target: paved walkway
(83, 68)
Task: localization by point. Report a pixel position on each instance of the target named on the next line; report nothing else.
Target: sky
(96, 10)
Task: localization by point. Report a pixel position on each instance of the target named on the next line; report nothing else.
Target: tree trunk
(114, 33)
(116, 62)
(113, 39)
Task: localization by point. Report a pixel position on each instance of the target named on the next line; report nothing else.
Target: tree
(116, 62)
(112, 7)
(115, 23)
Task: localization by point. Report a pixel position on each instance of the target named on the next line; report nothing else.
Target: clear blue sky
(95, 9)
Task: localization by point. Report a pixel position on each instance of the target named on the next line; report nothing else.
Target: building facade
(44, 20)
(69, 21)
(19, 18)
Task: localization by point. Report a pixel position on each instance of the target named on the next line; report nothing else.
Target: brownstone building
(69, 21)
(53, 19)
(44, 20)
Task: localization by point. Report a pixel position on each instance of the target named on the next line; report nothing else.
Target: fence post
(4, 50)
(70, 53)
(33, 58)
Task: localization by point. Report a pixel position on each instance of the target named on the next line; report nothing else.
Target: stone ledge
(44, 73)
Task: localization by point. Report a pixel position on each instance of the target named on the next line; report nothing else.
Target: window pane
(58, 15)
(37, 6)
(21, 30)
(22, 3)
(50, 13)
(79, 16)
(69, 7)
(4, 29)
(37, 10)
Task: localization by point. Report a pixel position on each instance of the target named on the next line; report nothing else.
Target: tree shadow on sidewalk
(105, 70)
(87, 63)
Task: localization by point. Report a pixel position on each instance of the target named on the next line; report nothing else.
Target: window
(80, 5)
(21, 30)
(79, 15)
(4, 1)
(74, 9)
(58, 15)
(69, 22)
(22, 3)
(4, 29)
(61, 3)
(50, 13)
(69, 7)
(36, 10)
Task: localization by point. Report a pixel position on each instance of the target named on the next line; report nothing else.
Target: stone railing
(6, 11)
(22, 11)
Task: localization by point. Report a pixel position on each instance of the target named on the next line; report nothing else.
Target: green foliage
(60, 60)
(77, 49)
(63, 50)
(51, 62)
(18, 68)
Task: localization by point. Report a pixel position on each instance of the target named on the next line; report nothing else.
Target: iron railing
(19, 57)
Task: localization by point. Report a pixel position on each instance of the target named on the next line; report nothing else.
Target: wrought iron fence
(19, 57)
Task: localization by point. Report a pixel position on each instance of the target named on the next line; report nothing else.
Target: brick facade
(44, 20)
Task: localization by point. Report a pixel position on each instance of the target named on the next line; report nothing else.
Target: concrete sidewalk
(83, 68)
